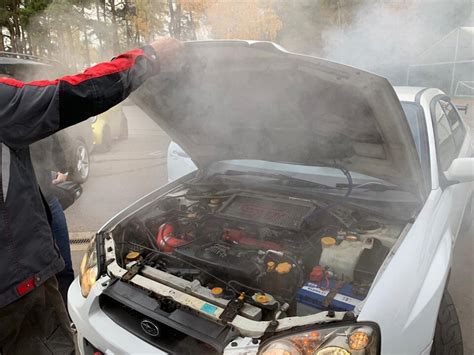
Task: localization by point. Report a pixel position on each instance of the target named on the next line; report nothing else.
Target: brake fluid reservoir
(342, 258)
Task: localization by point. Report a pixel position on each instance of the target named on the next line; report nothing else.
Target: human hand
(60, 177)
(168, 50)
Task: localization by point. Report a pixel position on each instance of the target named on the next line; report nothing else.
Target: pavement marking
(79, 240)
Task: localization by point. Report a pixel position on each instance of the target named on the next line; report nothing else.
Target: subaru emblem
(150, 328)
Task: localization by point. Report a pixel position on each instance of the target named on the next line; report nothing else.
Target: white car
(179, 163)
(321, 219)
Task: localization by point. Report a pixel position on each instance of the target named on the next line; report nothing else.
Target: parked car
(108, 126)
(77, 140)
(321, 219)
(179, 163)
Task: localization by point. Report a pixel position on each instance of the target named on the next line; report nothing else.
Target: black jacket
(47, 156)
(28, 113)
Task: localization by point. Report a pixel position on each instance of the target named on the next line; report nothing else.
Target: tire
(81, 167)
(448, 337)
(123, 128)
(106, 144)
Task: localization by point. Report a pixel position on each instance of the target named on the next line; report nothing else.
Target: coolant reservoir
(342, 258)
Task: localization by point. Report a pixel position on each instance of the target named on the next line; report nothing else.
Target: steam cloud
(386, 36)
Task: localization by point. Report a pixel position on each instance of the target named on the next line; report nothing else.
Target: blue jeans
(61, 237)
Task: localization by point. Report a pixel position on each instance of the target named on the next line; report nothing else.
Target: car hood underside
(254, 100)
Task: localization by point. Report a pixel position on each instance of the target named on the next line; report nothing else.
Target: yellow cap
(133, 255)
(217, 291)
(270, 266)
(214, 201)
(351, 238)
(328, 241)
(262, 298)
(283, 268)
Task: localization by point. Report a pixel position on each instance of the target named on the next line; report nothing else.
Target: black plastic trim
(142, 304)
(419, 94)
(443, 181)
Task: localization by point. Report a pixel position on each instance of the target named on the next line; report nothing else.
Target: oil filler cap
(283, 268)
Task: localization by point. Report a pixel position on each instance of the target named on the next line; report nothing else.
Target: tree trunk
(128, 31)
(174, 26)
(98, 31)
(115, 39)
(2, 43)
(193, 25)
(86, 37)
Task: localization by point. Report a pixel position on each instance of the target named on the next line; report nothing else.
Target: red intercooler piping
(239, 237)
(166, 240)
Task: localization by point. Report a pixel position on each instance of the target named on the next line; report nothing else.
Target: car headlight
(341, 340)
(89, 269)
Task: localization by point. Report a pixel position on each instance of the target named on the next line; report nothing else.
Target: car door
(452, 141)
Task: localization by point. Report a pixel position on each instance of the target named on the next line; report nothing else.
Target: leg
(36, 324)
(61, 237)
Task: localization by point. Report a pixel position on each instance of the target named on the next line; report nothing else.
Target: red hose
(166, 240)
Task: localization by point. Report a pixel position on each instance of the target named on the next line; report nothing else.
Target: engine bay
(253, 252)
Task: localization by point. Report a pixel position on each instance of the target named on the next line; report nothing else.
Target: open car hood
(254, 100)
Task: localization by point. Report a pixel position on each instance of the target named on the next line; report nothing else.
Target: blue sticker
(208, 308)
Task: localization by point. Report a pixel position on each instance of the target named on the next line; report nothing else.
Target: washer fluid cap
(328, 241)
(133, 255)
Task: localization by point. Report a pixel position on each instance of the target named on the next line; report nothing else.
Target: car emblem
(150, 328)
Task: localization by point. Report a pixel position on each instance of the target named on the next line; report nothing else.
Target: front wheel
(81, 163)
(448, 337)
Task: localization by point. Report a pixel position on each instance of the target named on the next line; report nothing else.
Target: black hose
(310, 218)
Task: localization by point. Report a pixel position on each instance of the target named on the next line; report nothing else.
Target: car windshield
(324, 176)
(416, 121)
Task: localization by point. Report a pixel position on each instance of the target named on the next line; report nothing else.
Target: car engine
(237, 243)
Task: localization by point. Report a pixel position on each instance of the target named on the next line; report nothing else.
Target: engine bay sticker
(208, 308)
(339, 297)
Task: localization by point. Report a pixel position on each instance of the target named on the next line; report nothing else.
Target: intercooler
(267, 210)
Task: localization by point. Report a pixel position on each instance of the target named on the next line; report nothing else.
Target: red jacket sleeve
(34, 110)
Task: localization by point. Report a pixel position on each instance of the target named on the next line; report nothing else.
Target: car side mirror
(461, 170)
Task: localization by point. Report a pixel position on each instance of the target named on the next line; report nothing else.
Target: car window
(457, 127)
(445, 139)
(416, 121)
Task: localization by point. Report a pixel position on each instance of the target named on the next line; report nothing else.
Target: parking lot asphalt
(137, 166)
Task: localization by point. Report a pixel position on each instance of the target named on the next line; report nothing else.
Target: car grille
(175, 332)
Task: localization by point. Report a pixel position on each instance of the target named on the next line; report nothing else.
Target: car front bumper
(95, 327)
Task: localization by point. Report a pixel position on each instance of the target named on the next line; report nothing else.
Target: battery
(313, 295)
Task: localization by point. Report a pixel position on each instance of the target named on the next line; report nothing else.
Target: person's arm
(34, 110)
(58, 155)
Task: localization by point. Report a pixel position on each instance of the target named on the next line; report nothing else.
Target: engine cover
(267, 210)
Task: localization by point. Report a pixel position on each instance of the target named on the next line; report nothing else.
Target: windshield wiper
(372, 186)
(283, 179)
(311, 217)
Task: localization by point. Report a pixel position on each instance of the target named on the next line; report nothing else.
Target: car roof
(414, 93)
(408, 93)
(10, 58)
